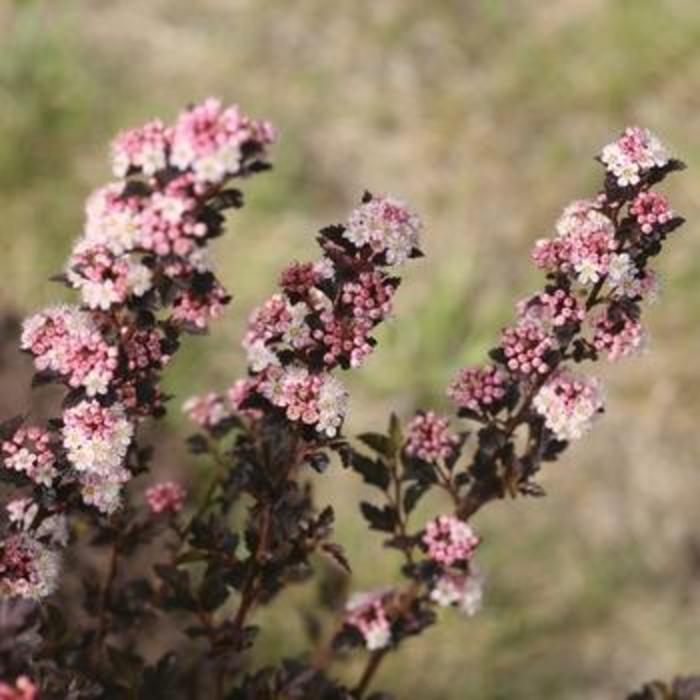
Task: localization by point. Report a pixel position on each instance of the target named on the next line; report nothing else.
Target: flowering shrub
(144, 280)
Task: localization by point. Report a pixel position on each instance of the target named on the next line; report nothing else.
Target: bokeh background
(484, 115)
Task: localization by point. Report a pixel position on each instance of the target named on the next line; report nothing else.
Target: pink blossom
(30, 452)
(28, 568)
(650, 210)
(23, 689)
(206, 411)
(449, 541)
(367, 612)
(526, 347)
(618, 337)
(478, 388)
(166, 497)
(569, 403)
(429, 438)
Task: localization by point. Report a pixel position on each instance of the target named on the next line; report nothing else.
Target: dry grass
(484, 115)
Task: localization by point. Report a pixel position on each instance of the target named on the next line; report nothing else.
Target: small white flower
(587, 271)
(260, 356)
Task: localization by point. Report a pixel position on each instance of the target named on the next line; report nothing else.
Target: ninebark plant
(171, 611)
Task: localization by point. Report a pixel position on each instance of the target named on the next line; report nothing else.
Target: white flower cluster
(637, 151)
(97, 438)
(569, 404)
(464, 591)
(387, 226)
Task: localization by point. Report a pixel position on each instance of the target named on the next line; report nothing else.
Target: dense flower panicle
(618, 337)
(465, 591)
(66, 340)
(583, 216)
(97, 437)
(650, 210)
(449, 541)
(166, 497)
(28, 568)
(206, 411)
(387, 226)
(367, 613)
(30, 452)
(569, 403)
(478, 388)
(318, 400)
(429, 438)
(526, 348)
(635, 153)
(23, 689)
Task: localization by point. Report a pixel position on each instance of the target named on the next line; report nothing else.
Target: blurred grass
(484, 115)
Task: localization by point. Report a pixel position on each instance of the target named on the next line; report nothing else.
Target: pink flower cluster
(527, 348)
(551, 309)
(105, 280)
(449, 541)
(634, 154)
(368, 614)
(618, 337)
(429, 438)
(318, 400)
(28, 568)
(387, 227)
(30, 452)
(569, 403)
(584, 244)
(650, 210)
(23, 689)
(67, 341)
(478, 388)
(166, 497)
(206, 411)
(208, 142)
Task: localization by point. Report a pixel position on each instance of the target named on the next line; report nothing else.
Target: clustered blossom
(635, 153)
(387, 226)
(464, 591)
(166, 497)
(619, 337)
(206, 411)
(449, 541)
(68, 342)
(651, 210)
(28, 568)
(324, 316)
(23, 689)
(96, 437)
(569, 403)
(478, 388)
(30, 452)
(368, 614)
(104, 279)
(527, 349)
(584, 245)
(314, 399)
(552, 309)
(429, 438)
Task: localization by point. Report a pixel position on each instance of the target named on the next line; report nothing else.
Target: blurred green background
(484, 115)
